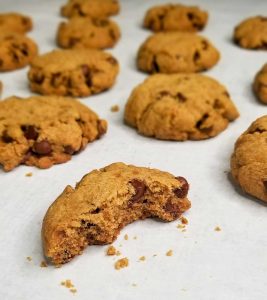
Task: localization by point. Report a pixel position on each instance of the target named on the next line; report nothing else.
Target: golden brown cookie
(42, 131)
(175, 17)
(90, 8)
(77, 72)
(249, 160)
(252, 33)
(180, 107)
(176, 52)
(81, 32)
(16, 51)
(14, 22)
(106, 200)
(260, 84)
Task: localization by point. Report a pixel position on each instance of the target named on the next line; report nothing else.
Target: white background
(226, 265)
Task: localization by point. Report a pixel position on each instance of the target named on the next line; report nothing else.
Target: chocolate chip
(85, 70)
(201, 121)
(30, 132)
(95, 211)
(181, 97)
(172, 208)
(226, 94)
(112, 34)
(38, 78)
(190, 16)
(26, 157)
(264, 181)
(43, 147)
(73, 41)
(196, 56)
(162, 94)
(1, 62)
(68, 149)
(204, 44)
(181, 192)
(112, 60)
(6, 138)
(140, 189)
(155, 67)
(100, 22)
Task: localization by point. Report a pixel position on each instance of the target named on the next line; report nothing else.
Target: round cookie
(260, 84)
(42, 131)
(180, 107)
(14, 22)
(77, 72)
(88, 33)
(90, 8)
(16, 51)
(252, 33)
(105, 201)
(176, 52)
(175, 17)
(249, 160)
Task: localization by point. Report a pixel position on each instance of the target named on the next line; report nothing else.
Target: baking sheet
(206, 264)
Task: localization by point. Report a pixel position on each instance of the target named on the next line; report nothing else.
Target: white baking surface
(206, 264)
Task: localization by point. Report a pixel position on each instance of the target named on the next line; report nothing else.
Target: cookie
(249, 160)
(180, 107)
(41, 131)
(76, 72)
(90, 8)
(252, 33)
(14, 22)
(260, 84)
(103, 202)
(175, 17)
(88, 33)
(176, 52)
(16, 51)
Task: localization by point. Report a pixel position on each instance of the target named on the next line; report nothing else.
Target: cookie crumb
(118, 253)
(115, 108)
(29, 258)
(73, 291)
(43, 264)
(142, 258)
(169, 253)
(135, 237)
(184, 220)
(29, 174)
(180, 226)
(121, 263)
(126, 237)
(154, 255)
(134, 284)
(184, 230)
(217, 228)
(111, 251)
(67, 283)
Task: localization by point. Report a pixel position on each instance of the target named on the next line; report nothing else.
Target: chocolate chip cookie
(88, 33)
(42, 131)
(175, 17)
(91, 8)
(103, 202)
(252, 33)
(249, 160)
(180, 107)
(76, 72)
(16, 51)
(176, 52)
(14, 22)
(260, 84)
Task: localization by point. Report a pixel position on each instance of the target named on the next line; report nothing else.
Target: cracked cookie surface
(175, 17)
(260, 84)
(252, 33)
(176, 52)
(41, 131)
(14, 22)
(16, 51)
(106, 200)
(249, 160)
(180, 107)
(91, 8)
(75, 72)
(81, 32)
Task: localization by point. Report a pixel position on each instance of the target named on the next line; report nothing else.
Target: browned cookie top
(249, 160)
(91, 8)
(175, 17)
(14, 22)
(176, 52)
(180, 107)
(260, 84)
(43, 131)
(76, 72)
(16, 51)
(252, 33)
(106, 200)
(80, 32)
